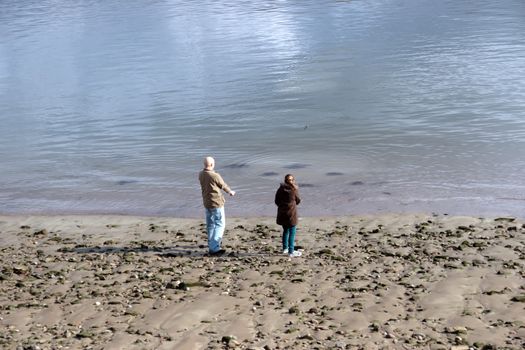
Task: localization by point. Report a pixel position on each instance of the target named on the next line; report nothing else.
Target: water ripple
(108, 107)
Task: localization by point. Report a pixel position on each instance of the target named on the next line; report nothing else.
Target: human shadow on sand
(123, 250)
(174, 251)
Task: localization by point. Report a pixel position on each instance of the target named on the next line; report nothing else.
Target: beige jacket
(211, 186)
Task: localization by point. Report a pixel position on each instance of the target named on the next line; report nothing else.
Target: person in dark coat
(287, 198)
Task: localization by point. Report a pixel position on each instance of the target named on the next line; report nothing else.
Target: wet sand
(363, 282)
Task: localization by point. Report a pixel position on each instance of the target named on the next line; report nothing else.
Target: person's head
(209, 163)
(289, 179)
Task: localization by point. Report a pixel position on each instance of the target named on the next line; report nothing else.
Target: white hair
(209, 162)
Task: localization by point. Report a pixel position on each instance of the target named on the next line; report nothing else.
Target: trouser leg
(286, 234)
(291, 239)
(215, 223)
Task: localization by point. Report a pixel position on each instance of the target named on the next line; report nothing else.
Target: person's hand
(232, 193)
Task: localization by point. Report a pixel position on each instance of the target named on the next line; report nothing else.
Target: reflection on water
(373, 105)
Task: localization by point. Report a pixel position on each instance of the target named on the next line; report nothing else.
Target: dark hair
(292, 184)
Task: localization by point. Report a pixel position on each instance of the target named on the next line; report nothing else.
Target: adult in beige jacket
(212, 186)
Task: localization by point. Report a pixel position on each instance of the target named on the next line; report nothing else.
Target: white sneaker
(295, 254)
(285, 251)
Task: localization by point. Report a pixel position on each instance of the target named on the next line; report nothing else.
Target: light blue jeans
(215, 223)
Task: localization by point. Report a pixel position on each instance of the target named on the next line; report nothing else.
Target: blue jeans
(215, 223)
(289, 238)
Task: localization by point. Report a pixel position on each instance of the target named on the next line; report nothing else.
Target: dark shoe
(219, 252)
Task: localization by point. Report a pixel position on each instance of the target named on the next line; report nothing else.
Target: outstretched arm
(224, 186)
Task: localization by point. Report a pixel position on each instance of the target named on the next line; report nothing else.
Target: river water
(375, 106)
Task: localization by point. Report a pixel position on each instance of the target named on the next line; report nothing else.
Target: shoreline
(317, 203)
(364, 282)
(363, 214)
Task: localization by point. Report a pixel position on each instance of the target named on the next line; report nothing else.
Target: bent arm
(277, 199)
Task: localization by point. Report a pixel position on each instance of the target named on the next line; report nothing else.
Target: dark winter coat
(286, 199)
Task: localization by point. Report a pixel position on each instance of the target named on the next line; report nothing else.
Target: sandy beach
(363, 282)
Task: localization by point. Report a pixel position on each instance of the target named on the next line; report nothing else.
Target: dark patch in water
(306, 185)
(269, 173)
(357, 183)
(296, 166)
(126, 182)
(237, 166)
(334, 173)
(380, 183)
(512, 199)
(387, 193)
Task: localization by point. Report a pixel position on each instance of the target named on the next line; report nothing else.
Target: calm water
(375, 106)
